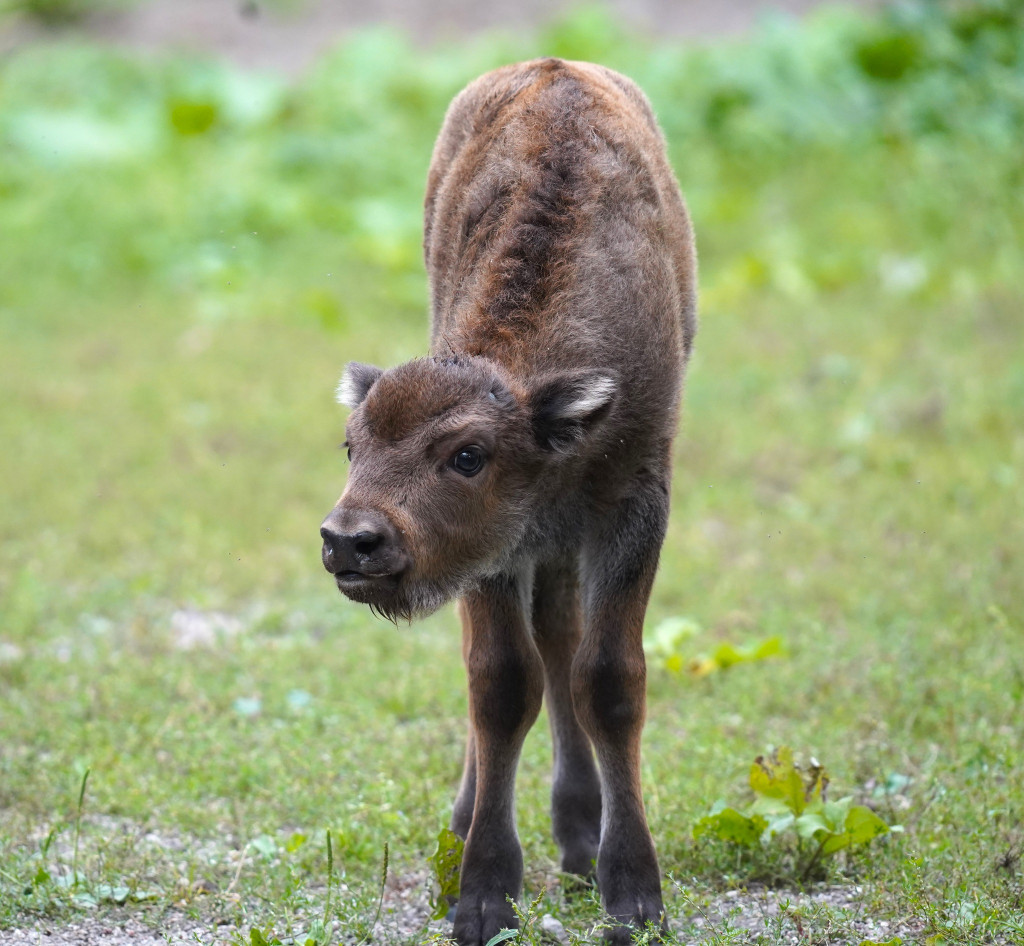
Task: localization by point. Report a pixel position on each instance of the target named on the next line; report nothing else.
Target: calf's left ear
(565, 407)
(356, 382)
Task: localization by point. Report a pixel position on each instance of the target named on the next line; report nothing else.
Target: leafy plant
(667, 647)
(446, 862)
(792, 815)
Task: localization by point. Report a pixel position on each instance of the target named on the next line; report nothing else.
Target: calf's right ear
(355, 383)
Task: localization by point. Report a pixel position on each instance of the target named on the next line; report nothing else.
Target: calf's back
(555, 237)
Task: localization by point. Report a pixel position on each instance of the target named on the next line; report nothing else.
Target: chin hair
(418, 599)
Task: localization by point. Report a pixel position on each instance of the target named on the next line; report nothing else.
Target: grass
(189, 254)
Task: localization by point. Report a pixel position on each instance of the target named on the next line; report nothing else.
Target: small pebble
(553, 928)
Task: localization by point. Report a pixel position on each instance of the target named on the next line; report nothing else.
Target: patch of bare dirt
(838, 916)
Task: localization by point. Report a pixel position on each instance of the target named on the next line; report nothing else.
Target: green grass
(187, 257)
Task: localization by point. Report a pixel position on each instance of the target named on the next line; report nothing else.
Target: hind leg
(575, 789)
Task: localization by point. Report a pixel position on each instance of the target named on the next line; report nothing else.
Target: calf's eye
(468, 461)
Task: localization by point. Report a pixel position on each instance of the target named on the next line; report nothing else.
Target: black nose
(366, 547)
(350, 545)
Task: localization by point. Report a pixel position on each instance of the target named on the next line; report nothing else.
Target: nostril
(366, 543)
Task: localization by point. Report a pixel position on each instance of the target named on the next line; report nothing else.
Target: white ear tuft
(566, 407)
(346, 393)
(355, 383)
(591, 396)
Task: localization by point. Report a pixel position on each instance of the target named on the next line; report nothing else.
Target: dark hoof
(642, 932)
(648, 931)
(476, 922)
(581, 863)
(575, 886)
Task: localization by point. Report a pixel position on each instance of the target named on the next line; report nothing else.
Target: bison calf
(524, 466)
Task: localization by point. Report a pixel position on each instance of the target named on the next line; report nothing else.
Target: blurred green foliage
(62, 13)
(936, 86)
(816, 156)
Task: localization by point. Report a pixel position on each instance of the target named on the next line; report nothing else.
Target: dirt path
(252, 34)
(834, 915)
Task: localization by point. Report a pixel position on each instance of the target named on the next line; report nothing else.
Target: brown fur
(525, 466)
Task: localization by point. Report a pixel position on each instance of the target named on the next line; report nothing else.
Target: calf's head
(449, 457)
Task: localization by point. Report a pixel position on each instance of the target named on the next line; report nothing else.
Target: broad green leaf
(501, 937)
(831, 842)
(863, 825)
(895, 941)
(447, 864)
(728, 824)
(725, 655)
(777, 825)
(728, 655)
(769, 647)
(810, 823)
(778, 777)
(836, 813)
(770, 807)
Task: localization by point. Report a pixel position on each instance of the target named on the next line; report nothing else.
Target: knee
(505, 691)
(608, 694)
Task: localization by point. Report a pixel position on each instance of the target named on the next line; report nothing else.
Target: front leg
(608, 688)
(462, 811)
(506, 684)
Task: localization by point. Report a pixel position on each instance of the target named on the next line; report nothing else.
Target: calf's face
(448, 458)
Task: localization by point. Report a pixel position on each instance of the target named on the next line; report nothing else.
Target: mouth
(364, 588)
(380, 592)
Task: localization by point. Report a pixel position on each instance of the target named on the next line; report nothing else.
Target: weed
(75, 879)
(446, 862)
(792, 817)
